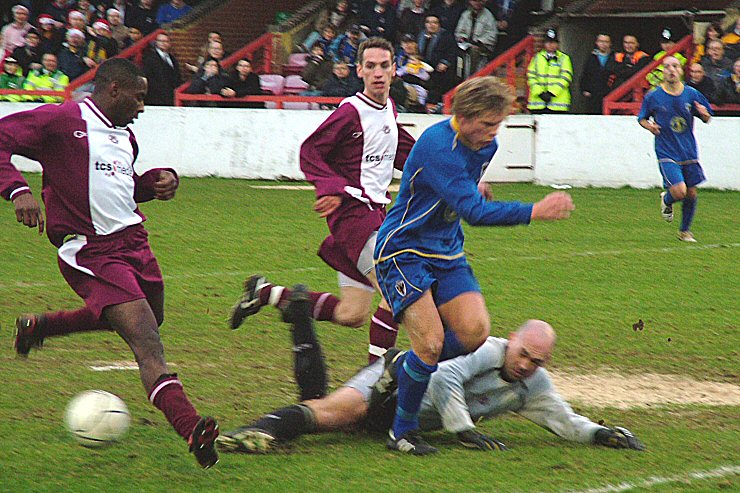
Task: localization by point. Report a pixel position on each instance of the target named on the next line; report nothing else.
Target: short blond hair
(483, 95)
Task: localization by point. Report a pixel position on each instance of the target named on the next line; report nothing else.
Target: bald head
(529, 348)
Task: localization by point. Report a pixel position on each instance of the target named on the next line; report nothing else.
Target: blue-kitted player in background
(672, 107)
(420, 262)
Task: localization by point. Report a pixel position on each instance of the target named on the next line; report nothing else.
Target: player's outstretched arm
(555, 206)
(28, 211)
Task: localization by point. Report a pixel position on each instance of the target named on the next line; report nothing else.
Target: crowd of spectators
(50, 43)
(440, 42)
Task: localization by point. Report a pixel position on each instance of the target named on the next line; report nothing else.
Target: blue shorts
(405, 277)
(673, 173)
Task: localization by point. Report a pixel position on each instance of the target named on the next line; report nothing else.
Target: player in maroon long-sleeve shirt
(90, 191)
(350, 159)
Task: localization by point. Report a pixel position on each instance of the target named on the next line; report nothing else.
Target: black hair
(120, 70)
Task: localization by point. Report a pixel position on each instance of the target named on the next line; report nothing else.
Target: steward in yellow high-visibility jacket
(667, 42)
(47, 78)
(549, 76)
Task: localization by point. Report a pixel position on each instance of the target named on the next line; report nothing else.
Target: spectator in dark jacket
(437, 48)
(379, 20)
(699, 81)
(142, 16)
(243, 82)
(729, 89)
(597, 71)
(716, 65)
(29, 56)
(318, 70)
(448, 12)
(162, 72)
(630, 61)
(342, 83)
(208, 81)
(73, 59)
(412, 19)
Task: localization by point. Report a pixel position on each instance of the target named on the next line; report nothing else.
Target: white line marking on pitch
(651, 481)
(122, 365)
(614, 252)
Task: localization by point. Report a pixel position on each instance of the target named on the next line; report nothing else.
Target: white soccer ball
(97, 418)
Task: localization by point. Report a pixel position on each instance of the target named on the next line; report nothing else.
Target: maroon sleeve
(23, 134)
(318, 148)
(405, 143)
(144, 184)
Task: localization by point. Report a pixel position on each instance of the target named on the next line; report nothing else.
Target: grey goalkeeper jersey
(470, 387)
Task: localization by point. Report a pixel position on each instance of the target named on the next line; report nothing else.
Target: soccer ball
(97, 418)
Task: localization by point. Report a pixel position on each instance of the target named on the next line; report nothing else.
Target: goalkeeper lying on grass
(502, 375)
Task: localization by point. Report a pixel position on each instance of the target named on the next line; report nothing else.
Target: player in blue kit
(420, 263)
(672, 107)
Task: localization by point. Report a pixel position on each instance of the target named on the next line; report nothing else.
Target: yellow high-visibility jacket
(45, 81)
(554, 76)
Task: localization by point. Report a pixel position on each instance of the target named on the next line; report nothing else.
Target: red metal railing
(509, 59)
(134, 51)
(262, 46)
(637, 84)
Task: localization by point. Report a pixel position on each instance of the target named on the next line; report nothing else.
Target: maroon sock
(322, 304)
(274, 295)
(66, 322)
(169, 397)
(383, 333)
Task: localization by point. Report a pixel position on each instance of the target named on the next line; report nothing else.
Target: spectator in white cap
(77, 20)
(101, 46)
(73, 59)
(117, 29)
(14, 34)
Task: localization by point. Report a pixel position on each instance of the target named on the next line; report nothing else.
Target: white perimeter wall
(566, 149)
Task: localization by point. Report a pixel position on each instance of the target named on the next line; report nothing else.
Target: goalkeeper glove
(475, 439)
(618, 437)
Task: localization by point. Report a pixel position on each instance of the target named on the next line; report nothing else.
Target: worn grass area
(592, 277)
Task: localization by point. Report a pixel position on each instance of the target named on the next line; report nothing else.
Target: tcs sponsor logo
(110, 169)
(379, 158)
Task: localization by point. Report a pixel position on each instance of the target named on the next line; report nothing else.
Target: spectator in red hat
(73, 59)
(101, 46)
(51, 32)
(117, 29)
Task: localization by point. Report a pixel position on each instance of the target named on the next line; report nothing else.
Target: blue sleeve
(700, 98)
(449, 179)
(646, 108)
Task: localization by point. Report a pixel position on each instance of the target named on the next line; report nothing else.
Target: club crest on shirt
(678, 124)
(401, 288)
(449, 215)
(386, 129)
(113, 139)
(356, 135)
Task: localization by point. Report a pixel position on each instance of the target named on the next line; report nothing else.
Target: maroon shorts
(112, 269)
(350, 226)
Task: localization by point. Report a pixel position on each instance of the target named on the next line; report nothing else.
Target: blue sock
(687, 213)
(668, 198)
(413, 379)
(452, 346)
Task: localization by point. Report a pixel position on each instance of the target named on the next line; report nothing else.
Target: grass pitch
(592, 277)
